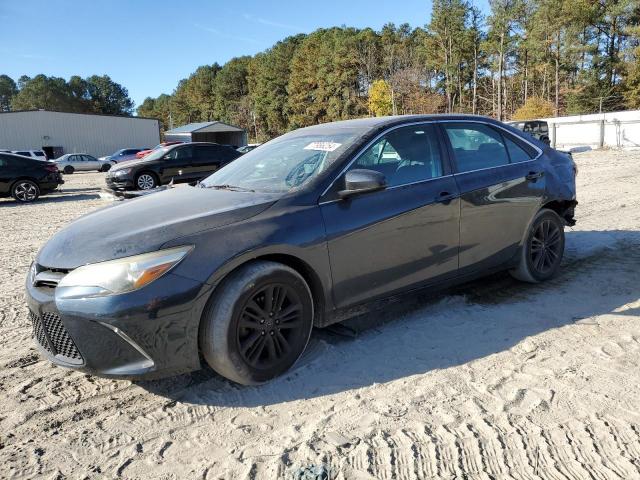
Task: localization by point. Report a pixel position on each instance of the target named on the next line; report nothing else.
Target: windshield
(156, 154)
(285, 163)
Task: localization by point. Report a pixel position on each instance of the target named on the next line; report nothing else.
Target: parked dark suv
(181, 163)
(536, 128)
(301, 232)
(25, 179)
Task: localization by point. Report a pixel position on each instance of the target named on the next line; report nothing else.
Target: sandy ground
(494, 380)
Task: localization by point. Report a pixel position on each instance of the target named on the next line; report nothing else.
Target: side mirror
(362, 181)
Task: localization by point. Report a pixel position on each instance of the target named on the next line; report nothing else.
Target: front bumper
(122, 183)
(148, 333)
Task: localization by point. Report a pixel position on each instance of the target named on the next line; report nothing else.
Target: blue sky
(148, 46)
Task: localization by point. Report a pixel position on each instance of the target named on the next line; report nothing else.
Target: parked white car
(37, 154)
(80, 162)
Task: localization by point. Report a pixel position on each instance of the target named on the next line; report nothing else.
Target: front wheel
(542, 249)
(105, 167)
(146, 181)
(258, 323)
(25, 191)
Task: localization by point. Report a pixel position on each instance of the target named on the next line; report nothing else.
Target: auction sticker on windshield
(323, 146)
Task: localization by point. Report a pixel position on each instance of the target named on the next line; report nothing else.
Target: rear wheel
(543, 248)
(68, 170)
(25, 191)
(258, 323)
(146, 181)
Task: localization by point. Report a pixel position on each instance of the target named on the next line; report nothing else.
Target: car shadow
(422, 332)
(57, 197)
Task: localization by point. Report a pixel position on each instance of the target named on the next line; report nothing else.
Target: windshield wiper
(228, 187)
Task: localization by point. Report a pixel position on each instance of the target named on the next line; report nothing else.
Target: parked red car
(144, 153)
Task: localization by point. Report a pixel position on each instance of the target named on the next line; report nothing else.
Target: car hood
(129, 162)
(144, 224)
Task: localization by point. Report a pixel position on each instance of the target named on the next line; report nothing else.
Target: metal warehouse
(58, 133)
(216, 132)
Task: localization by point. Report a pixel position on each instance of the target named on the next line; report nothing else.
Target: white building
(611, 129)
(58, 133)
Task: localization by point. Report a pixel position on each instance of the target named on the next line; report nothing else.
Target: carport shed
(216, 132)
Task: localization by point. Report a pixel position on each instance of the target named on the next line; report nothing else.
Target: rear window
(26, 154)
(39, 154)
(476, 146)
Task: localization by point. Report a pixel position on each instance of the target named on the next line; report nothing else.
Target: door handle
(534, 175)
(444, 197)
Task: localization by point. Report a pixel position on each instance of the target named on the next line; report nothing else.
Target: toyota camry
(236, 271)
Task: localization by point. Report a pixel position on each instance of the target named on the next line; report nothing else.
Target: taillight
(51, 168)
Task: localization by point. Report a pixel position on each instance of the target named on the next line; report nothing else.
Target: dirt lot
(496, 380)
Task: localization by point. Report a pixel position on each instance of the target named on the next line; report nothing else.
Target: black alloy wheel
(542, 248)
(270, 322)
(257, 323)
(545, 247)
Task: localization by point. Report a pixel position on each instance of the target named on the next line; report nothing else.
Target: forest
(521, 59)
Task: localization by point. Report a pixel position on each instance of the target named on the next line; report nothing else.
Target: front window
(404, 155)
(286, 163)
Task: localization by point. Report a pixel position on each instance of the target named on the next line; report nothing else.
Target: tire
(244, 343)
(25, 191)
(146, 181)
(68, 170)
(105, 167)
(542, 249)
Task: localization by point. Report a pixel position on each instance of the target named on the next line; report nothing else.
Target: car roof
(23, 157)
(377, 122)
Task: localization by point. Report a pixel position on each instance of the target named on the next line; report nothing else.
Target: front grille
(51, 334)
(38, 331)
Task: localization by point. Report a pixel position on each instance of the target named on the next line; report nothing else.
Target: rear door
(92, 163)
(385, 241)
(209, 158)
(501, 188)
(7, 173)
(206, 160)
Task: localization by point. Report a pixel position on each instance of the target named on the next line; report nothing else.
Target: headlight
(123, 171)
(125, 274)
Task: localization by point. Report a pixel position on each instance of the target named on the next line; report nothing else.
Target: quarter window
(476, 146)
(516, 152)
(404, 155)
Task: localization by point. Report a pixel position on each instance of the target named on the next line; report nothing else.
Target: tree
(230, 90)
(8, 90)
(106, 96)
(534, 107)
(323, 85)
(159, 108)
(500, 44)
(448, 38)
(96, 94)
(380, 98)
(268, 77)
(42, 92)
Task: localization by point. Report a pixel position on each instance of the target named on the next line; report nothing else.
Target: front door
(404, 235)
(178, 164)
(501, 189)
